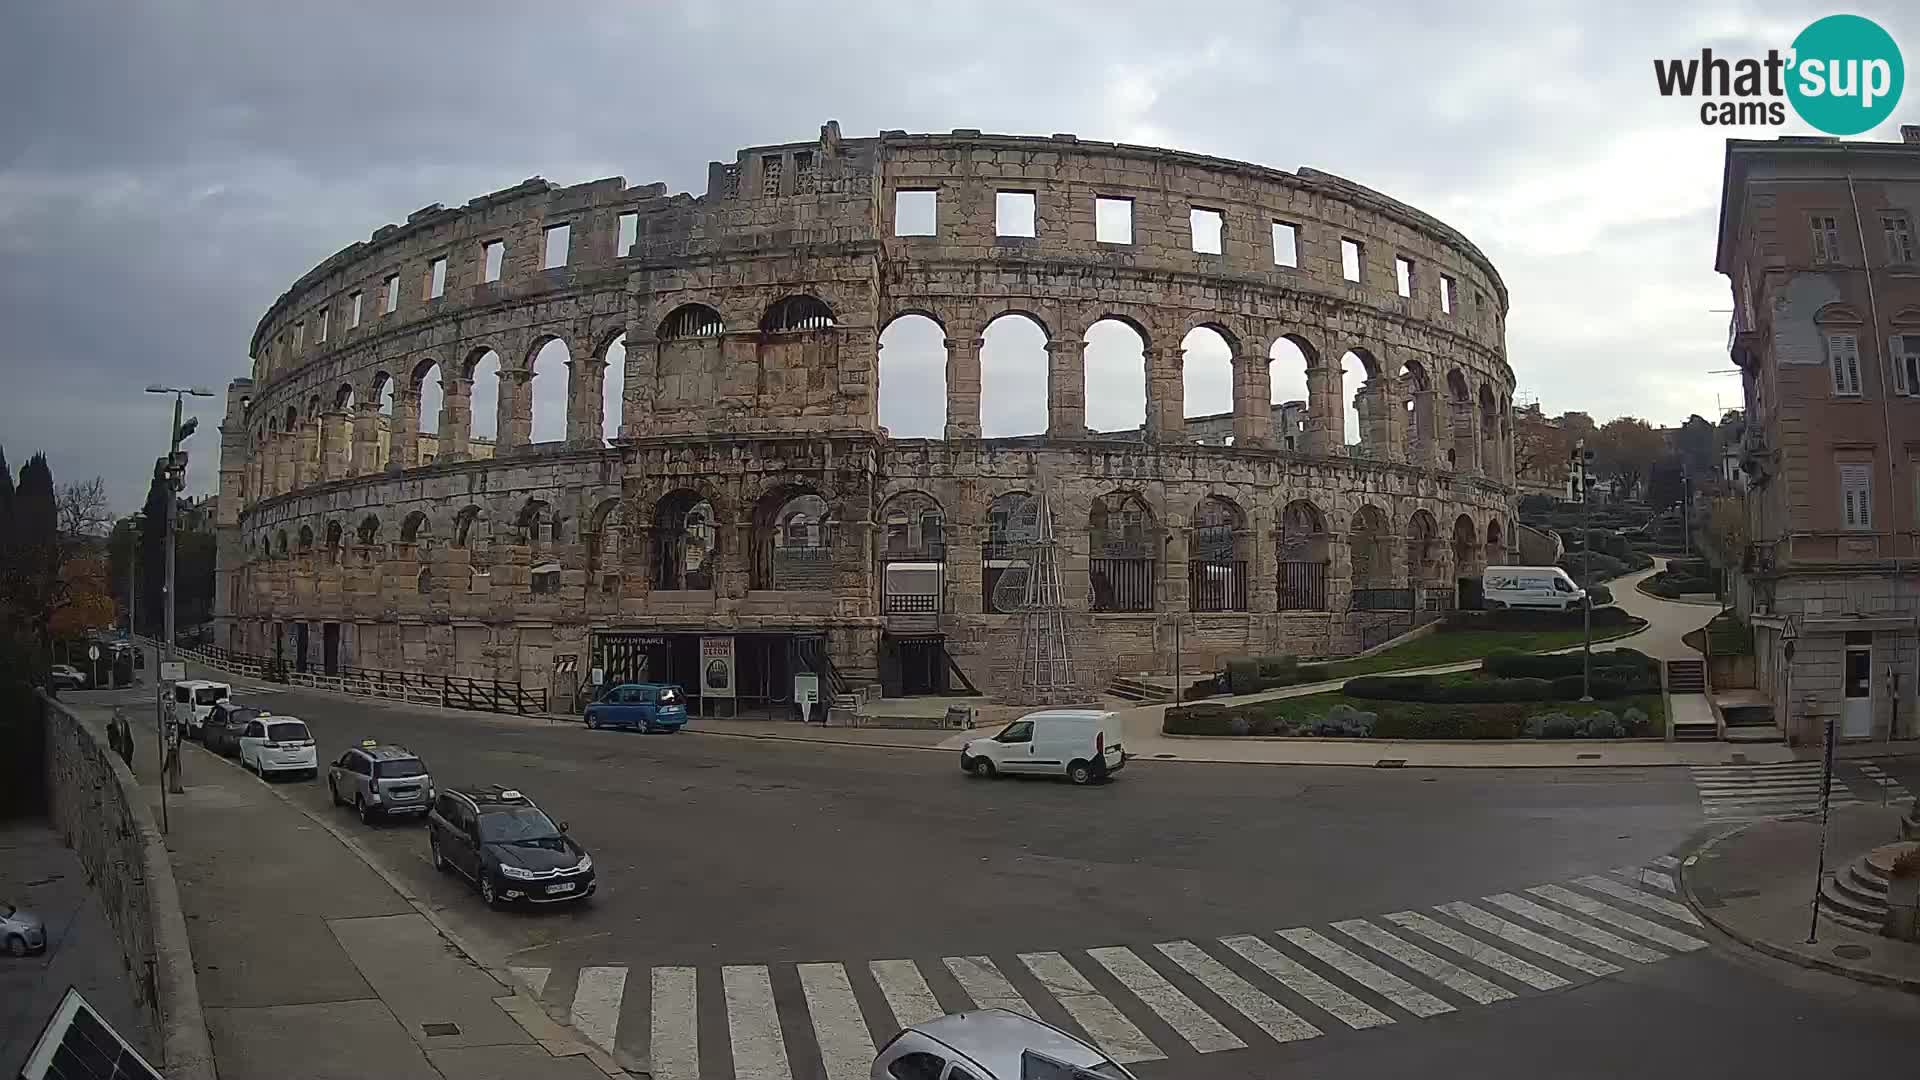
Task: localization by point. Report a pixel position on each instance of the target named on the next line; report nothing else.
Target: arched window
(463, 526)
(683, 542)
(793, 541)
(691, 321)
(1206, 385)
(613, 384)
(1360, 411)
(1115, 387)
(1288, 361)
(913, 378)
(1423, 548)
(1123, 548)
(1368, 547)
(415, 530)
(795, 314)
(534, 524)
(369, 529)
(1216, 557)
(1466, 549)
(1301, 543)
(1013, 377)
(336, 537)
(913, 556)
(1496, 543)
(552, 368)
(1013, 527)
(306, 539)
(423, 581)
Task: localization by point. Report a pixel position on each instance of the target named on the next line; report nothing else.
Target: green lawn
(1314, 706)
(1444, 647)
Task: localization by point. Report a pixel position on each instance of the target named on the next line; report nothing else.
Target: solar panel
(78, 1045)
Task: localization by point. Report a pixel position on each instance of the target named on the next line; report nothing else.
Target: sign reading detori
(716, 671)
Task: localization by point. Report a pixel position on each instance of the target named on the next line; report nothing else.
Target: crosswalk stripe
(906, 992)
(675, 1046)
(980, 977)
(1478, 951)
(533, 978)
(839, 1028)
(1527, 939)
(1449, 974)
(1187, 1019)
(596, 1004)
(1573, 927)
(1812, 787)
(1666, 862)
(1278, 1021)
(1367, 973)
(1348, 1009)
(1098, 1017)
(759, 1051)
(1764, 766)
(1636, 876)
(1613, 916)
(1631, 895)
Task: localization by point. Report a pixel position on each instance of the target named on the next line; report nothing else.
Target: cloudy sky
(167, 168)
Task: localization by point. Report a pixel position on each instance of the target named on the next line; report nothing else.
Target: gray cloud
(167, 169)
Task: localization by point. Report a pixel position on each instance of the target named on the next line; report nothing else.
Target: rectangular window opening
(299, 334)
(1906, 363)
(1112, 220)
(770, 169)
(437, 278)
(1843, 354)
(629, 235)
(1856, 496)
(1826, 239)
(559, 239)
(1350, 259)
(1446, 294)
(1286, 244)
(1403, 275)
(393, 294)
(1899, 234)
(320, 334)
(1207, 227)
(916, 212)
(353, 317)
(1013, 213)
(493, 260)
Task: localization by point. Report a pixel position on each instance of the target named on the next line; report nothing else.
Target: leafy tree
(1537, 444)
(33, 585)
(1693, 443)
(1625, 448)
(83, 509)
(85, 605)
(1577, 425)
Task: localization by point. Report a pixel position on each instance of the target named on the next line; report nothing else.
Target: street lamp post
(176, 473)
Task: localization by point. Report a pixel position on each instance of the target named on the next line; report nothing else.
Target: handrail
(412, 687)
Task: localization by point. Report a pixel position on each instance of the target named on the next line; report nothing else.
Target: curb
(1910, 984)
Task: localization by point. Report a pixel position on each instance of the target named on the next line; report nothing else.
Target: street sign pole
(1586, 578)
(1826, 799)
(175, 481)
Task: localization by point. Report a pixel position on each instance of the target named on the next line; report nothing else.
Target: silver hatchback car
(380, 781)
(991, 1044)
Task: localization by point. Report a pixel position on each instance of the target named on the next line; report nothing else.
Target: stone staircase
(1140, 690)
(1686, 676)
(1856, 897)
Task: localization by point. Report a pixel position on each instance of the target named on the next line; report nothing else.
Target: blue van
(644, 706)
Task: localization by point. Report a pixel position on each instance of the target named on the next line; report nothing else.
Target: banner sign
(716, 667)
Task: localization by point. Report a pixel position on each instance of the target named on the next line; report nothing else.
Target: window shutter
(1897, 356)
(1819, 241)
(1856, 496)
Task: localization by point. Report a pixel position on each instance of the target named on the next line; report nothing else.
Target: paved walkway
(314, 966)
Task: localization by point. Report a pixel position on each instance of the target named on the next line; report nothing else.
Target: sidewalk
(1756, 886)
(313, 966)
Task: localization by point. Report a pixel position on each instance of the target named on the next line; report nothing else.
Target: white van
(193, 701)
(1530, 587)
(1082, 745)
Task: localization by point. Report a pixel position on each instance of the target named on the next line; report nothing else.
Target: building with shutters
(1817, 239)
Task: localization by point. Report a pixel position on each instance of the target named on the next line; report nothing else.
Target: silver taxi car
(991, 1044)
(380, 780)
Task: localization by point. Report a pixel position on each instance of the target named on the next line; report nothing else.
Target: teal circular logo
(1846, 75)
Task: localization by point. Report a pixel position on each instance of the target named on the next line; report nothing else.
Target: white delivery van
(1082, 745)
(1530, 587)
(193, 701)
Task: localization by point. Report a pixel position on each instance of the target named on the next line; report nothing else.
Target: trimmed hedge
(1252, 674)
(1604, 618)
(1507, 664)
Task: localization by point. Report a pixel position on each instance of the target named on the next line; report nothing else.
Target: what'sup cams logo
(1843, 75)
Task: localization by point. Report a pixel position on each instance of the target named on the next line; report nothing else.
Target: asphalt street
(721, 856)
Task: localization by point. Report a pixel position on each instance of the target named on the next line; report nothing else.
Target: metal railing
(1217, 585)
(907, 603)
(1122, 584)
(1389, 599)
(1302, 586)
(412, 687)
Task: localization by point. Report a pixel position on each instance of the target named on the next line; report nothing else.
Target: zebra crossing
(1752, 792)
(1891, 789)
(1140, 1003)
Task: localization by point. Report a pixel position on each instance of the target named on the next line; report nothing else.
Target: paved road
(765, 896)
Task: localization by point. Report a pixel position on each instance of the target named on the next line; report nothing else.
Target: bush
(1604, 618)
(1345, 721)
(1603, 686)
(1432, 688)
(1239, 726)
(1559, 726)
(1603, 725)
(1599, 595)
(1243, 675)
(1275, 667)
(1636, 722)
(1312, 673)
(1210, 718)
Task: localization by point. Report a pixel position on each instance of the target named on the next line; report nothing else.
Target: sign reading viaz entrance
(1843, 75)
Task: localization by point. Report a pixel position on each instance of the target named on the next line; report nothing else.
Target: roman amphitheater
(721, 473)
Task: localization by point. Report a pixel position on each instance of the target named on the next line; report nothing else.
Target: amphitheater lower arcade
(718, 476)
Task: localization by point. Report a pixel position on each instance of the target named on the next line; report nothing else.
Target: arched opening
(1287, 364)
(1489, 433)
(1423, 548)
(1006, 556)
(1013, 377)
(423, 581)
(1465, 548)
(1361, 404)
(797, 314)
(607, 530)
(1217, 557)
(1370, 549)
(913, 378)
(280, 544)
(793, 536)
(1460, 426)
(431, 399)
(336, 539)
(1496, 543)
(383, 441)
(1123, 549)
(551, 376)
(1419, 416)
(613, 389)
(1206, 385)
(1115, 389)
(369, 531)
(683, 542)
(798, 354)
(416, 532)
(1301, 545)
(535, 526)
(691, 321)
(913, 555)
(692, 365)
(306, 540)
(483, 427)
(463, 526)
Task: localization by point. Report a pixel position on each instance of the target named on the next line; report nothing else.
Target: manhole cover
(1586, 757)
(1168, 757)
(441, 1029)
(1737, 759)
(1390, 763)
(1852, 952)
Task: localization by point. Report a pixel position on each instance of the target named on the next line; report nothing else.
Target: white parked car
(991, 1044)
(1082, 745)
(193, 701)
(1531, 587)
(278, 744)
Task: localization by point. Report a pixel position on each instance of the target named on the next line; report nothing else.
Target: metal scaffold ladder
(1046, 665)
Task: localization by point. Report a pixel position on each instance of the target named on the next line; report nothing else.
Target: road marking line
(1666, 862)
(1607, 913)
(1479, 951)
(981, 979)
(1527, 939)
(1727, 791)
(1632, 895)
(839, 1028)
(596, 1004)
(1449, 974)
(759, 1052)
(1367, 973)
(1300, 979)
(1278, 1021)
(907, 993)
(1573, 927)
(1109, 1029)
(1187, 1019)
(675, 1047)
(1634, 875)
(534, 978)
